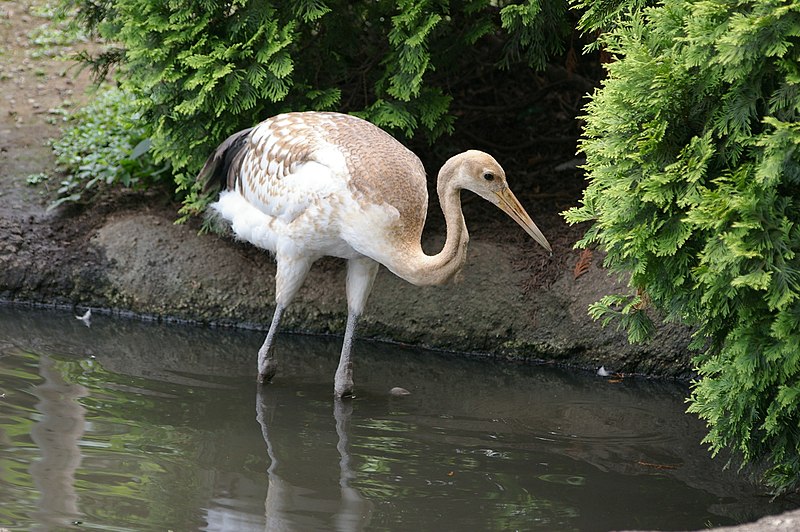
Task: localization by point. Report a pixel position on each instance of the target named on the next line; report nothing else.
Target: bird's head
(480, 173)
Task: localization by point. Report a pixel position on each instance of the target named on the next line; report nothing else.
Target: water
(134, 426)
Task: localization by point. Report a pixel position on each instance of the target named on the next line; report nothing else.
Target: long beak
(510, 205)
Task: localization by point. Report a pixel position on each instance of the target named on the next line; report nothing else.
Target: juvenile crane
(308, 184)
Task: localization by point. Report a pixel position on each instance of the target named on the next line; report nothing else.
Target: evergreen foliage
(693, 160)
(202, 69)
(603, 15)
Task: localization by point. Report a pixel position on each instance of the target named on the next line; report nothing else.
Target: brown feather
(222, 166)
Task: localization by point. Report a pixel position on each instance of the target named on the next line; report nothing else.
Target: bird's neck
(422, 269)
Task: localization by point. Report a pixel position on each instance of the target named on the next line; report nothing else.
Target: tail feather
(222, 166)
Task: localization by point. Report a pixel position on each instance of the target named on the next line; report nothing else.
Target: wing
(287, 166)
(296, 158)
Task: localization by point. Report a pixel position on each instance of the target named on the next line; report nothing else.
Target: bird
(308, 184)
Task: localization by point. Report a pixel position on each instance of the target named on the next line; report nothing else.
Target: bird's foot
(266, 373)
(344, 392)
(343, 385)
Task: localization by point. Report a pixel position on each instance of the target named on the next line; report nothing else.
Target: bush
(693, 167)
(202, 69)
(105, 144)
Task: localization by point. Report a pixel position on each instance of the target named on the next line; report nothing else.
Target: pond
(127, 425)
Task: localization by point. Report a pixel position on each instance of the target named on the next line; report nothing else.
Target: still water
(127, 425)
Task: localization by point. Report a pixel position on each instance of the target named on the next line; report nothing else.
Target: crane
(303, 185)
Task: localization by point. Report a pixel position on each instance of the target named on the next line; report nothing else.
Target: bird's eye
(488, 176)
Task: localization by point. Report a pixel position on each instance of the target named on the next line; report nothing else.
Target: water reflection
(135, 426)
(307, 502)
(57, 434)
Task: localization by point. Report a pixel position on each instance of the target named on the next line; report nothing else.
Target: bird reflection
(293, 506)
(354, 510)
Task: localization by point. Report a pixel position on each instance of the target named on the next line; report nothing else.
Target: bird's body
(325, 184)
(306, 185)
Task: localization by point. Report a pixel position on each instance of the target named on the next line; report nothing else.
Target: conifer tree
(693, 161)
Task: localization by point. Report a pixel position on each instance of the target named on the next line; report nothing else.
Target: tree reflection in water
(57, 433)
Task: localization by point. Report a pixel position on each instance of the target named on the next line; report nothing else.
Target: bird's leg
(343, 382)
(267, 364)
(360, 276)
(289, 277)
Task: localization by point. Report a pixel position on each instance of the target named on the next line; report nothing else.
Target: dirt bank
(129, 255)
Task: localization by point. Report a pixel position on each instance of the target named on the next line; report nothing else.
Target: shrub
(693, 167)
(104, 144)
(202, 69)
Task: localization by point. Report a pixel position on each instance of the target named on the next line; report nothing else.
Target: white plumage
(305, 185)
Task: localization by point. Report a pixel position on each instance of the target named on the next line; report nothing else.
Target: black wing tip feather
(219, 171)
